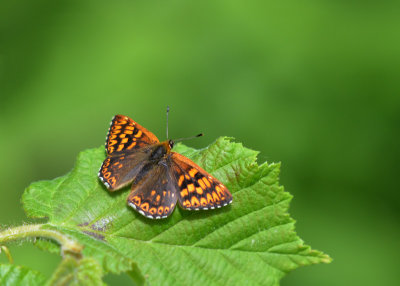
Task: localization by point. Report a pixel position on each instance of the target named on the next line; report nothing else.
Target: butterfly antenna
(187, 138)
(167, 120)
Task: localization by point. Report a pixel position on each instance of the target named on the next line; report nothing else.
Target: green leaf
(74, 271)
(251, 242)
(14, 275)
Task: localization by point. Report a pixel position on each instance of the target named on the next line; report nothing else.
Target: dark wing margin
(198, 190)
(125, 135)
(155, 195)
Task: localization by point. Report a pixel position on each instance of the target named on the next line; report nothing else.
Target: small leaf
(74, 271)
(14, 275)
(251, 242)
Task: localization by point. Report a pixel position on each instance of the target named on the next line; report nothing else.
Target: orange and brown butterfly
(159, 176)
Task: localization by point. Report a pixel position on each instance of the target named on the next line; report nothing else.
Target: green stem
(37, 230)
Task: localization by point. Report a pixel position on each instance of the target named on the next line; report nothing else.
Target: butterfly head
(164, 148)
(171, 144)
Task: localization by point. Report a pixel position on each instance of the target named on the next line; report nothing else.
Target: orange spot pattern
(195, 188)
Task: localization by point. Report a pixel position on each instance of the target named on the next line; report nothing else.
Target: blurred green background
(313, 84)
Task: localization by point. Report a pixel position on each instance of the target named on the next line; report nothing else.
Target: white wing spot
(132, 205)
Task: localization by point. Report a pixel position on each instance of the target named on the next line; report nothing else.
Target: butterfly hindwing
(197, 189)
(120, 170)
(155, 195)
(126, 135)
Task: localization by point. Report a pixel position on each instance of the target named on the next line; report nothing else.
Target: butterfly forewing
(155, 195)
(197, 189)
(126, 135)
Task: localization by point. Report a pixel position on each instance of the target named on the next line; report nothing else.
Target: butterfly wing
(120, 170)
(198, 190)
(155, 195)
(126, 135)
(128, 145)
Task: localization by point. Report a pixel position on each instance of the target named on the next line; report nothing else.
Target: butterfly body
(160, 177)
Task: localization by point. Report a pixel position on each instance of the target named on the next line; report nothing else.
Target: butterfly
(160, 177)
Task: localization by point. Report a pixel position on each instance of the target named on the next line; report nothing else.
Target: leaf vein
(241, 217)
